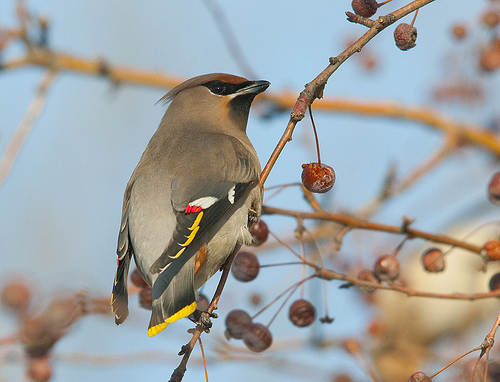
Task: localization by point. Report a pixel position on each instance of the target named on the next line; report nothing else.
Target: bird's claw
(203, 319)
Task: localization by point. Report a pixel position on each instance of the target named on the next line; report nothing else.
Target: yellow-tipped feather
(184, 312)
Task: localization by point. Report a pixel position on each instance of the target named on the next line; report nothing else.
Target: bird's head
(216, 96)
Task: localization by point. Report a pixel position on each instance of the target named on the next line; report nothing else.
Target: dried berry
(489, 59)
(36, 336)
(39, 369)
(302, 313)
(257, 338)
(39, 333)
(16, 295)
(494, 189)
(367, 275)
(245, 266)
(490, 18)
(386, 268)
(259, 232)
(318, 178)
(365, 8)
(433, 260)
(495, 282)
(137, 279)
(255, 298)
(237, 322)
(405, 36)
(419, 377)
(459, 31)
(492, 249)
(146, 298)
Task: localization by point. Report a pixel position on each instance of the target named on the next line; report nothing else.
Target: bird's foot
(203, 319)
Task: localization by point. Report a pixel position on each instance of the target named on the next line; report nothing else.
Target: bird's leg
(203, 318)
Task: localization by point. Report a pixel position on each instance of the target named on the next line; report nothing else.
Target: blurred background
(60, 205)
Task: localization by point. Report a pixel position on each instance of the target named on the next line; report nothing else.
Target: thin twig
(187, 349)
(204, 359)
(314, 89)
(23, 129)
(330, 274)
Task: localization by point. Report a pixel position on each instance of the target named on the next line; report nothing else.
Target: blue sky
(60, 207)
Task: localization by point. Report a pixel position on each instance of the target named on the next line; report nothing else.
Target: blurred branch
(62, 62)
(329, 274)
(356, 223)
(227, 35)
(25, 126)
(392, 187)
(97, 67)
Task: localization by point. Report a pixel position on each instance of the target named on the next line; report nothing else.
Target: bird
(192, 198)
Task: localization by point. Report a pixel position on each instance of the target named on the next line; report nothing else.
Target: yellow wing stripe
(184, 312)
(191, 237)
(197, 221)
(194, 228)
(178, 254)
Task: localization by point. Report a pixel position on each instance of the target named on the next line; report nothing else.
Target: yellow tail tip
(184, 312)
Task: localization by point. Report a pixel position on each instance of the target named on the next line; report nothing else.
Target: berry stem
(384, 2)
(315, 134)
(292, 288)
(414, 18)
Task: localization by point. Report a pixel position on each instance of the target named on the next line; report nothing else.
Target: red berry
(386, 268)
(405, 36)
(367, 275)
(318, 178)
(365, 8)
(137, 279)
(419, 377)
(146, 298)
(302, 313)
(492, 249)
(16, 295)
(245, 266)
(495, 282)
(494, 189)
(433, 260)
(237, 322)
(257, 338)
(259, 232)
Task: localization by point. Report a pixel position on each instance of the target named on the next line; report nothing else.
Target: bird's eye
(218, 88)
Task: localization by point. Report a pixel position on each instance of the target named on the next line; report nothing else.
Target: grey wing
(124, 253)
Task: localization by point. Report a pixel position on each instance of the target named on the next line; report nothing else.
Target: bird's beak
(254, 87)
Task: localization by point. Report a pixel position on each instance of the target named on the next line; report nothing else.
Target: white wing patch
(204, 202)
(230, 195)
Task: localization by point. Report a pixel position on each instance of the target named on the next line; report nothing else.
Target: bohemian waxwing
(192, 198)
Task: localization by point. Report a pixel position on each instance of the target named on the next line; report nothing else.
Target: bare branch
(25, 126)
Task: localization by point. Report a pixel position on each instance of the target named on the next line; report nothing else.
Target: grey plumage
(200, 153)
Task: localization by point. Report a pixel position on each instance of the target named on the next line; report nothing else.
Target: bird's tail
(173, 298)
(119, 297)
